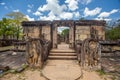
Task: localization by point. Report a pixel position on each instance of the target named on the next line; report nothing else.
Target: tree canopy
(17, 16)
(65, 32)
(114, 32)
(10, 27)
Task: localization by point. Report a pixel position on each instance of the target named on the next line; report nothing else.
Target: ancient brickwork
(89, 29)
(79, 30)
(82, 32)
(101, 32)
(46, 32)
(39, 33)
(33, 32)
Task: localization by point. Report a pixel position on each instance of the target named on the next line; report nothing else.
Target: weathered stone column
(55, 36)
(71, 36)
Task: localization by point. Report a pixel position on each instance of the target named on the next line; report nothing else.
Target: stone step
(62, 57)
(62, 51)
(62, 54)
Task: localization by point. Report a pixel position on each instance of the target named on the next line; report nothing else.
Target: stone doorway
(70, 38)
(63, 35)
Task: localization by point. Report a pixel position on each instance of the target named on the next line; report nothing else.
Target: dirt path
(25, 75)
(62, 70)
(35, 75)
(93, 76)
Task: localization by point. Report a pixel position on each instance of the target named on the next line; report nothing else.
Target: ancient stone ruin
(84, 35)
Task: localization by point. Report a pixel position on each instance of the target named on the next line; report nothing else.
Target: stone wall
(33, 32)
(82, 32)
(79, 29)
(46, 31)
(101, 32)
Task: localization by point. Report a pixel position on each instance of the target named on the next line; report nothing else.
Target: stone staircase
(62, 64)
(61, 54)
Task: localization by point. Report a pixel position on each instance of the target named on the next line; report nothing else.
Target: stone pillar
(71, 37)
(55, 36)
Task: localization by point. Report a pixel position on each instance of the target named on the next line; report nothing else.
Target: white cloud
(72, 4)
(93, 12)
(2, 3)
(50, 16)
(104, 14)
(37, 13)
(66, 15)
(106, 19)
(76, 14)
(29, 18)
(114, 11)
(17, 10)
(63, 15)
(28, 10)
(53, 5)
(42, 8)
(107, 14)
(85, 1)
(58, 11)
(30, 6)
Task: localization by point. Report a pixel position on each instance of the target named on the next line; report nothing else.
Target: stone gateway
(84, 36)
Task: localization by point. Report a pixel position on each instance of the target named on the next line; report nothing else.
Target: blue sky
(63, 9)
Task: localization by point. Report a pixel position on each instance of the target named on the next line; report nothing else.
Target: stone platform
(62, 70)
(13, 61)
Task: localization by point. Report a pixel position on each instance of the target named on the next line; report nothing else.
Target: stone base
(62, 70)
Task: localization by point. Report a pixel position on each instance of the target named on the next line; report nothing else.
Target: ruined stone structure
(40, 34)
(79, 30)
(85, 28)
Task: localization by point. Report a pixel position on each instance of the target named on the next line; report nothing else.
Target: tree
(65, 32)
(6, 28)
(17, 17)
(114, 32)
(65, 35)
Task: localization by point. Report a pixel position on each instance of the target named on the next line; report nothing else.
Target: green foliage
(17, 16)
(6, 28)
(11, 27)
(65, 32)
(113, 34)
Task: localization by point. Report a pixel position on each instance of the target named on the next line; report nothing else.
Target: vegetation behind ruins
(114, 32)
(10, 27)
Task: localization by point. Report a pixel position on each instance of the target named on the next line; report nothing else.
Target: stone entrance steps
(62, 57)
(62, 54)
(62, 64)
(57, 54)
(62, 51)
